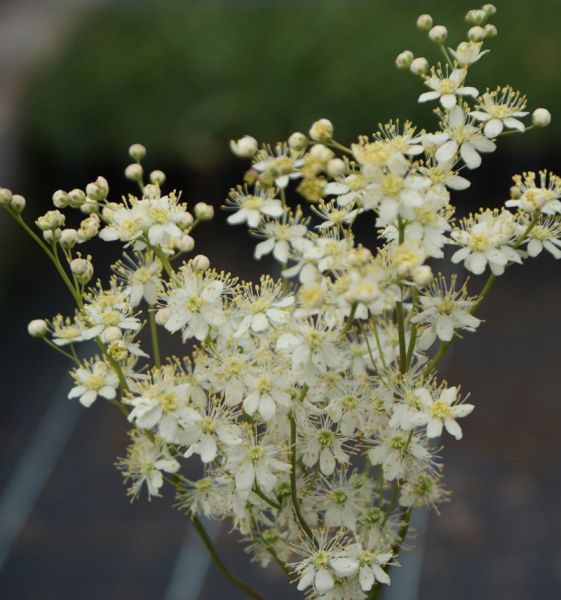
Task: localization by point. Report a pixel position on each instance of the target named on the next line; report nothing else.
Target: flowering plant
(312, 400)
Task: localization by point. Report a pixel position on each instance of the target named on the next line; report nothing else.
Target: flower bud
(37, 328)
(200, 262)
(52, 219)
(98, 189)
(321, 130)
(336, 167)
(51, 235)
(76, 198)
(321, 153)
(184, 220)
(421, 275)
(297, 141)
(438, 34)
(515, 192)
(490, 30)
(489, 9)
(424, 22)
(5, 196)
(137, 151)
(17, 203)
(476, 17)
(419, 66)
(541, 117)
(157, 177)
(83, 269)
(203, 211)
(68, 238)
(151, 191)
(89, 207)
(245, 147)
(186, 243)
(117, 350)
(61, 199)
(404, 59)
(112, 334)
(476, 34)
(134, 172)
(162, 315)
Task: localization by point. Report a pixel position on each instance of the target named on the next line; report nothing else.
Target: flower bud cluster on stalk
(311, 400)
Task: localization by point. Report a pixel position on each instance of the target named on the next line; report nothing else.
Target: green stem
(293, 490)
(234, 579)
(164, 261)
(154, 336)
(379, 345)
(61, 351)
(339, 146)
(263, 496)
(350, 318)
(446, 55)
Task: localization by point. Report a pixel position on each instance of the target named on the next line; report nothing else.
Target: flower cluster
(312, 402)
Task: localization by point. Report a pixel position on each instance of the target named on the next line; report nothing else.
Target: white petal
(470, 156)
(493, 127)
(445, 328)
(426, 96)
(323, 581)
(453, 428)
(208, 448)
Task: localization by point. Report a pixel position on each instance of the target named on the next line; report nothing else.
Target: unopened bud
(421, 275)
(151, 191)
(98, 189)
(186, 243)
(76, 198)
(134, 172)
(297, 141)
(89, 207)
(17, 203)
(37, 328)
(51, 235)
(419, 66)
(489, 9)
(162, 315)
(52, 219)
(490, 31)
(83, 269)
(158, 177)
(203, 211)
(477, 34)
(137, 151)
(336, 167)
(200, 262)
(438, 34)
(61, 199)
(321, 153)
(404, 59)
(245, 147)
(112, 334)
(321, 130)
(541, 117)
(424, 22)
(5, 196)
(68, 238)
(476, 17)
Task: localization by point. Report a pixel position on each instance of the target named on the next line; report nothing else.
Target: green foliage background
(184, 77)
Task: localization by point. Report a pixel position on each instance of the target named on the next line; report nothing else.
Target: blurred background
(82, 79)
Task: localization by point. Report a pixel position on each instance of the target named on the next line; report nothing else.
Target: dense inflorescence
(311, 401)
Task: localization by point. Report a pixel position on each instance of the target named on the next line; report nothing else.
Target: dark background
(80, 81)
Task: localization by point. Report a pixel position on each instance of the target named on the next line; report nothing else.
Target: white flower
(532, 195)
(398, 453)
(250, 207)
(447, 87)
(499, 109)
(321, 442)
(93, 380)
(441, 412)
(280, 236)
(194, 304)
(146, 460)
(468, 53)
(487, 240)
(163, 401)
(106, 309)
(465, 138)
(265, 390)
(442, 311)
(368, 563)
(141, 276)
(262, 306)
(546, 235)
(207, 430)
(258, 463)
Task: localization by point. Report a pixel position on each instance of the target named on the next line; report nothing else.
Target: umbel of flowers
(311, 400)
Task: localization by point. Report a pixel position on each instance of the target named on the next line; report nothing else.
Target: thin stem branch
(234, 579)
(154, 336)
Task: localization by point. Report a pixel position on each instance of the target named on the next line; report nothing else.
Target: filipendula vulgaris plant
(312, 400)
